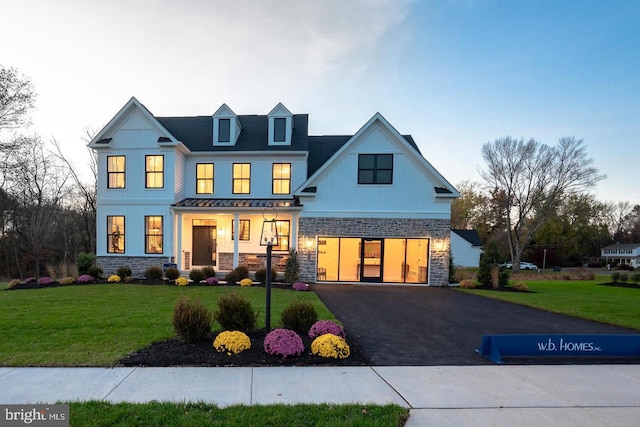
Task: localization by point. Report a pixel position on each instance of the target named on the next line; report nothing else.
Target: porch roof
(237, 203)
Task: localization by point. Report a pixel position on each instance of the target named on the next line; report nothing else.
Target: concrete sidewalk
(593, 395)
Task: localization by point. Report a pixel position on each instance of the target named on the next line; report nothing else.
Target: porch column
(236, 233)
(294, 231)
(177, 223)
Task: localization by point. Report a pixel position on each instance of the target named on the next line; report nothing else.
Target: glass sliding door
(371, 260)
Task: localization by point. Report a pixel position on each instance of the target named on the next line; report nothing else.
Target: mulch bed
(622, 285)
(175, 352)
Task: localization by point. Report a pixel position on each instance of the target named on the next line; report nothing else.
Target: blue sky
(454, 74)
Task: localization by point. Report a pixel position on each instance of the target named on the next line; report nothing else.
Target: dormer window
(226, 126)
(224, 130)
(280, 126)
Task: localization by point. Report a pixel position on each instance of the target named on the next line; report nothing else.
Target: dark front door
(371, 260)
(204, 245)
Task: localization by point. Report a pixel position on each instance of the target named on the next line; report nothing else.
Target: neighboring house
(622, 254)
(195, 191)
(466, 248)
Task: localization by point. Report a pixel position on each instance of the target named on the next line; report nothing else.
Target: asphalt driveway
(422, 326)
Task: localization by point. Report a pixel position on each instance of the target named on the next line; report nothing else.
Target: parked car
(523, 266)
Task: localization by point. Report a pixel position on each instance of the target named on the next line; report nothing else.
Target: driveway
(404, 325)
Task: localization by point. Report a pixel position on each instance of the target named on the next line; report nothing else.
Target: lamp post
(544, 259)
(268, 238)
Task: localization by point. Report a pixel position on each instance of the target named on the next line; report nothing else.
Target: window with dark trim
(153, 234)
(224, 130)
(284, 232)
(116, 172)
(204, 178)
(281, 177)
(154, 171)
(241, 178)
(375, 169)
(244, 233)
(279, 129)
(115, 234)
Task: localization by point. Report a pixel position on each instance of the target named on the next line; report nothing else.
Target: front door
(371, 256)
(204, 245)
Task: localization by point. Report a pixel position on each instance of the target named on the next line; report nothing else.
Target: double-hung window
(153, 234)
(116, 172)
(284, 231)
(281, 177)
(279, 129)
(154, 171)
(204, 178)
(115, 234)
(241, 178)
(375, 169)
(244, 233)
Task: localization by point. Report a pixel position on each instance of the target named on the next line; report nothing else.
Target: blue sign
(494, 347)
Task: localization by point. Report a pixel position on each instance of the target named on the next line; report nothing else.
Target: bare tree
(17, 98)
(617, 218)
(534, 177)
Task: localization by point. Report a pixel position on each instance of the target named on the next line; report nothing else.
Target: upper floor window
(154, 171)
(115, 234)
(279, 129)
(244, 233)
(375, 169)
(284, 231)
(153, 234)
(281, 173)
(116, 172)
(224, 130)
(204, 178)
(241, 178)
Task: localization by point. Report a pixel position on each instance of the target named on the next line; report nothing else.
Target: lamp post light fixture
(268, 238)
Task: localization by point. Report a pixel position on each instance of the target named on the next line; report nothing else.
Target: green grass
(96, 325)
(583, 299)
(200, 414)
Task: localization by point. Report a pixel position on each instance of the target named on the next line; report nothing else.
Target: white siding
(464, 254)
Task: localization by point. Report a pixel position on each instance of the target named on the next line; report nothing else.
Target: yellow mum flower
(182, 281)
(246, 282)
(329, 345)
(114, 278)
(232, 342)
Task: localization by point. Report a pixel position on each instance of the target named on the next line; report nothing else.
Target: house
(622, 254)
(195, 191)
(466, 248)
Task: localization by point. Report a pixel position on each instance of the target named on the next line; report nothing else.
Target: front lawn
(585, 299)
(96, 325)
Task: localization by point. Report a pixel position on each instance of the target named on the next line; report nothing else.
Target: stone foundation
(137, 264)
(438, 230)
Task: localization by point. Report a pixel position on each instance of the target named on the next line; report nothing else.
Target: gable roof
(622, 246)
(470, 236)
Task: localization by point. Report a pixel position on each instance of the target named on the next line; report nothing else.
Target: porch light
(309, 243)
(269, 238)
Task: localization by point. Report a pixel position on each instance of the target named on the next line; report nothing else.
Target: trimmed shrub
(191, 319)
(520, 287)
(209, 272)
(85, 260)
(114, 278)
(292, 267)
(299, 316)
(197, 275)
(124, 272)
(236, 313)
(45, 281)
(261, 275)
(615, 277)
(635, 277)
(182, 281)
(95, 272)
(12, 284)
(153, 273)
(299, 286)
(624, 277)
(232, 342)
(329, 345)
(211, 281)
(231, 278)
(467, 284)
(172, 273)
(85, 278)
(242, 272)
(322, 327)
(67, 280)
(283, 342)
(246, 282)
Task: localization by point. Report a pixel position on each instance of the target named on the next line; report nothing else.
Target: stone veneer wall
(435, 229)
(137, 264)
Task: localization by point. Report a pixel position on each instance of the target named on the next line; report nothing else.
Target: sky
(455, 74)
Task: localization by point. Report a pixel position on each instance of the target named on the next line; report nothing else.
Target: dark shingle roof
(470, 236)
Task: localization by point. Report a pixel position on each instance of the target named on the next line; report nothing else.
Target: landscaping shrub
(85, 278)
(191, 319)
(12, 284)
(261, 275)
(124, 272)
(235, 312)
(283, 342)
(172, 273)
(211, 281)
(45, 281)
(467, 284)
(197, 275)
(153, 273)
(635, 277)
(322, 327)
(246, 282)
(209, 272)
(242, 272)
(615, 277)
(299, 316)
(520, 287)
(624, 277)
(85, 260)
(299, 286)
(95, 272)
(292, 267)
(329, 345)
(231, 278)
(182, 281)
(114, 278)
(232, 342)
(29, 280)
(490, 259)
(67, 280)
